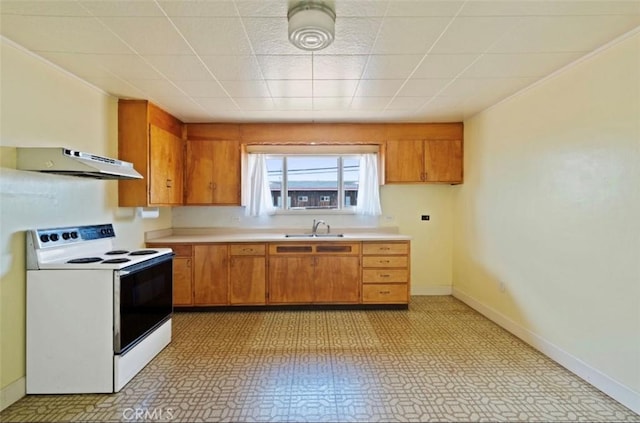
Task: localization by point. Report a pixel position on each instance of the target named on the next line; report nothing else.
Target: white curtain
(258, 199)
(369, 187)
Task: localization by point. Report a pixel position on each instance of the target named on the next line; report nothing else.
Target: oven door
(143, 300)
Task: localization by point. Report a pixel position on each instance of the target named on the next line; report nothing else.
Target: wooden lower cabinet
(386, 272)
(182, 273)
(290, 280)
(314, 273)
(337, 280)
(182, 288)
(290, 273)
(210, 275)
(300, 280)
(247, 274)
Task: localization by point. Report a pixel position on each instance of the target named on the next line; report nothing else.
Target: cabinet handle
(188, 263)
(211, 185)
(384, 292)
(247, 250)
(215, 186)
(169, 183)
(385, 276)
(384, 261)
(385, 248)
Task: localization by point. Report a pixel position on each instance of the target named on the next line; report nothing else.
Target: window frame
(313, 149)
(342, 208)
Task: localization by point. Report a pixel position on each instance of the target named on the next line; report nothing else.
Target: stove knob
(74, 235)
(54, 237)
(65, 235)
(44, 238)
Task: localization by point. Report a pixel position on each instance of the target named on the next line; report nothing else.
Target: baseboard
(13, 392)
(621, 393)
(431, 290)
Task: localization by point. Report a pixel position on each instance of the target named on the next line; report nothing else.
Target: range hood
(65, 161)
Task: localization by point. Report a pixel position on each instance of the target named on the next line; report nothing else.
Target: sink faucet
(316, 223)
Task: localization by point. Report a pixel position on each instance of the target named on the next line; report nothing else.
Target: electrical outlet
(425, 217)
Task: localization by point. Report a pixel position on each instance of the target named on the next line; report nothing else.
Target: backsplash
(198, 217)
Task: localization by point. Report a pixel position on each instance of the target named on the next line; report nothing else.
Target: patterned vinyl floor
(437, 361)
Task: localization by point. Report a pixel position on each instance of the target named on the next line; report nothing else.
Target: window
(311, 178)
(313, 182)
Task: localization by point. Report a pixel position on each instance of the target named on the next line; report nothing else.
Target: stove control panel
(73, 234)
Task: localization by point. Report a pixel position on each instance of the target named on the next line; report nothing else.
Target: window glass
(351, 175)
(306, 182)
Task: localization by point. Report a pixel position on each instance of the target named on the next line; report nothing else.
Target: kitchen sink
(314, 235)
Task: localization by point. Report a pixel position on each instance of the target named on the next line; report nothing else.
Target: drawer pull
(248, 250)
(385, 248)
(384, 292)
(385, 276)
(385, 261)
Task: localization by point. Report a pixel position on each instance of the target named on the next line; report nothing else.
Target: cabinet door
(290, 280)
(182, 292)
(210, 274)
(226, 172)
(404, 161)
(247, 280)
(443, 161)
(336, 280)
(165, 160)
(199, 172)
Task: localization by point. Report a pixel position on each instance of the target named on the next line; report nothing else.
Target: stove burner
(116, 260)
(116, 252)
(85, 260)
(142, 252)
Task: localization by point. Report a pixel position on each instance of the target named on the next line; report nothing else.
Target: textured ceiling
(392, 61)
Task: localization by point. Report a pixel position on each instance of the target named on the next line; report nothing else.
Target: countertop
(213, 235)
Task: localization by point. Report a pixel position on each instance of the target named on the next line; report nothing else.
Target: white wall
(550, 208)
(43, 106)
(402, 206)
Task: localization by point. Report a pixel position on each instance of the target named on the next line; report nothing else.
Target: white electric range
(96, 315)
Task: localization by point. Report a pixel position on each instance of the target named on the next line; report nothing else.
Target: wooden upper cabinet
(151, 139)
(199, 173)
(165, 158)
(213, 172)
(404, 161)
(443, 161)
(438, 160)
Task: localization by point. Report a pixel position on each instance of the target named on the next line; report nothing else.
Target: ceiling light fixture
(311, 25)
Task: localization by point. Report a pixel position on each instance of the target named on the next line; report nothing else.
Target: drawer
(385, 275)
(179, 250)
(385, 294)
(373, 248)
(385, 261)
(247, 249)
